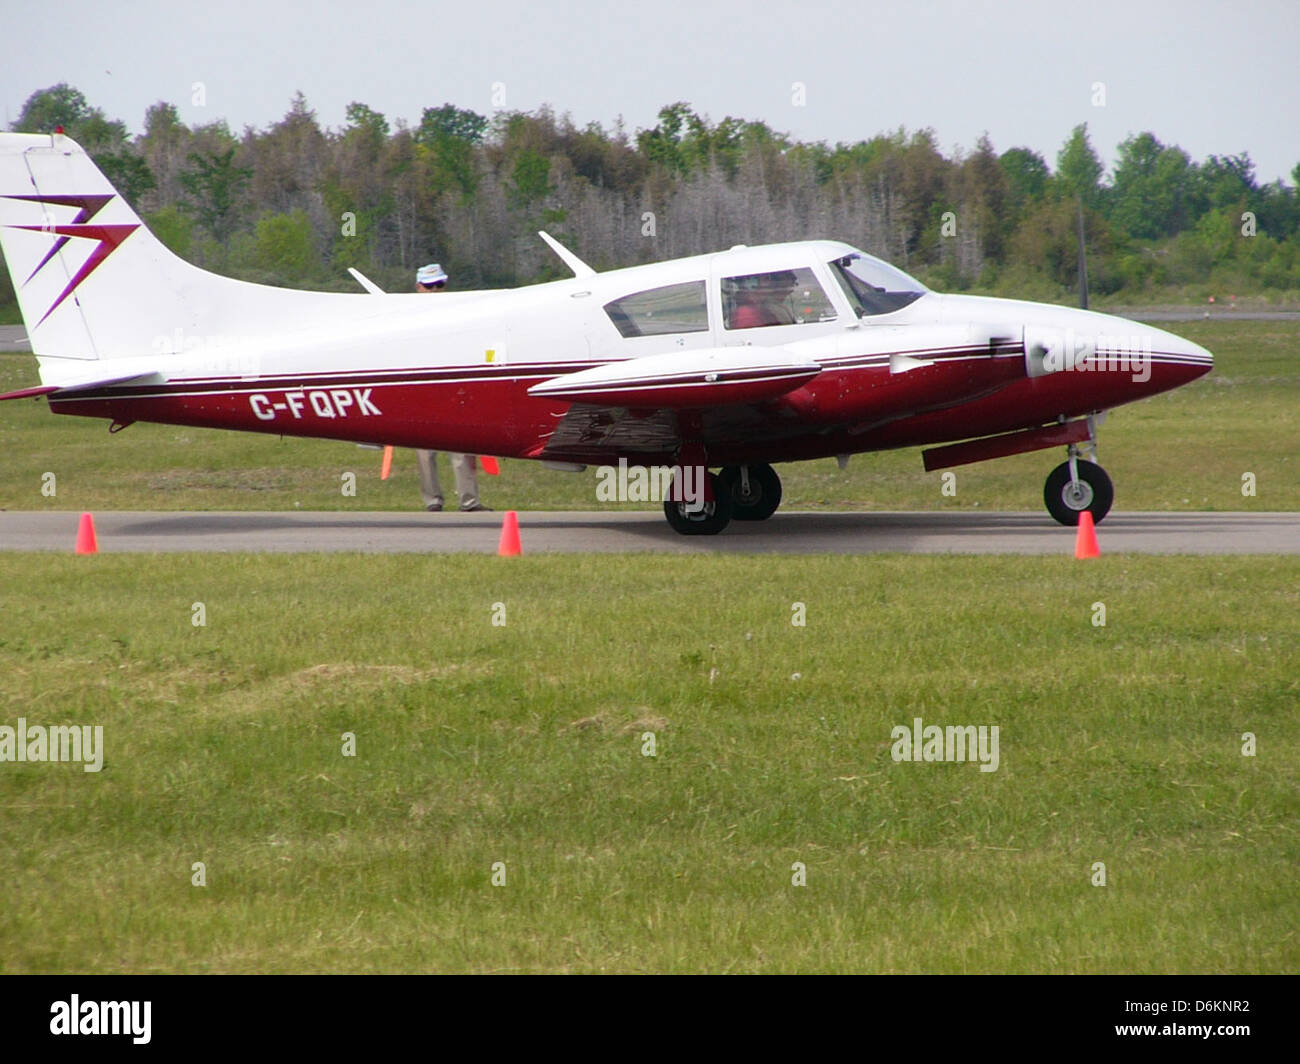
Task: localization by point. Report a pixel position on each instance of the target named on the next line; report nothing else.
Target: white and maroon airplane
(735, 360)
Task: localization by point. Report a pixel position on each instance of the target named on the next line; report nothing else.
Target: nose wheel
(1068, 492)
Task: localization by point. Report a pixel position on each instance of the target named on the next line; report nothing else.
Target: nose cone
(1171, 357)
(1176, 350)
(1101, 359)
(1158, 360)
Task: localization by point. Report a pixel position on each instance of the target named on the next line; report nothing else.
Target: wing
(636, 407)
(685, 379)
(771, 403)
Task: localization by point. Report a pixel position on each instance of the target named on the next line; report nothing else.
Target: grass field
(522, 744)
(1184, 450)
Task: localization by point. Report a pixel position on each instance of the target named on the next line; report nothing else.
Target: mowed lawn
(524, 743)
(1183, 450)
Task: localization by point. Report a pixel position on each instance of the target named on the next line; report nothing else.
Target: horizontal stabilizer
(88, 381)
(683, 379)
(28, 393)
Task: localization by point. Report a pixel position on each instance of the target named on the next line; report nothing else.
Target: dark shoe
(433, 507)
(475, 509)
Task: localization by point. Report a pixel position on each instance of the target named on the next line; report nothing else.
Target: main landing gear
(706, 517)
(755, 491)
(745, 493)
(1077, 485)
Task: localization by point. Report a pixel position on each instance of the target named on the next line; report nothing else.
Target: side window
(677, 308)
(786, 297)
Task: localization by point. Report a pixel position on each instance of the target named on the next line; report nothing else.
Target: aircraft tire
(764, 492)
(1096, 493)
(712, 519)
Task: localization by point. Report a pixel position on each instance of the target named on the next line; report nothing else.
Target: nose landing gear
(1077, 485)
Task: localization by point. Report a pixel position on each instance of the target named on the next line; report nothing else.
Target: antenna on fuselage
(579, 268)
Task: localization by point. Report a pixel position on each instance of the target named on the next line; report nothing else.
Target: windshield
(873, 286)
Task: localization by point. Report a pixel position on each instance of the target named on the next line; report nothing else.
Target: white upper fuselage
(565, 322)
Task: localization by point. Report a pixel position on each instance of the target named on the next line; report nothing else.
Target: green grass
(1184, 450)
(522, 744)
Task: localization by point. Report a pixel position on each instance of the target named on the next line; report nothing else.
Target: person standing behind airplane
(433, 278)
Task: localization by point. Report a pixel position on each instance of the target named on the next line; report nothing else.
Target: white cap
(431, 274)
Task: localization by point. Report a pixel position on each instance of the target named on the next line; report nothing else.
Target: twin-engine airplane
(734, 361)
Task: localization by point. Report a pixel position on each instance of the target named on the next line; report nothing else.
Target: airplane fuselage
(452, 372)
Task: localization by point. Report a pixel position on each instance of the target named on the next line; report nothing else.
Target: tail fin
(94, 283)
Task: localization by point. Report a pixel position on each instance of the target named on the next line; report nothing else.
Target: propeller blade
(1083, 262)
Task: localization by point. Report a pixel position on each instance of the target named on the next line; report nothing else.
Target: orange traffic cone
(510, 544)
(1085, 543)
(86, 542)
(386, 466)
(489, 465)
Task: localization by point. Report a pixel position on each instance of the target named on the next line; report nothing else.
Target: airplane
(734, 361)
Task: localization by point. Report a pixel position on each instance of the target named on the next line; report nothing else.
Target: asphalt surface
(14, 338)
(1206, 314)
(576, 532)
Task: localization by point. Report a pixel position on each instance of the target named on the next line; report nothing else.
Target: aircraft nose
(1086, 341)
(1172, 349)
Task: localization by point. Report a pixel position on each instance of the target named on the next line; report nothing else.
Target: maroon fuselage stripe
(487, 410)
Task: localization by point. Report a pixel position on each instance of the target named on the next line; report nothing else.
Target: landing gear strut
(1077, 485)
(755, 491)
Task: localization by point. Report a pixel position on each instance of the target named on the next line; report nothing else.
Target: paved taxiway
(573, 532)
(14, 338)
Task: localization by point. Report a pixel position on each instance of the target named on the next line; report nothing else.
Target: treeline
(294, 204)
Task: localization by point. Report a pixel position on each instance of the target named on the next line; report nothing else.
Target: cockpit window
(784, 297)
(676, 308)
(875, 287)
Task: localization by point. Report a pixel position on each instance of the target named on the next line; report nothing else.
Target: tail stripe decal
(109, 237)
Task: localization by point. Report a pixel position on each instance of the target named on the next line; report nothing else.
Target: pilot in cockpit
(760, 299)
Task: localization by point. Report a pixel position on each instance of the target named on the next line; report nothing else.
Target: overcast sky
(1213, 78)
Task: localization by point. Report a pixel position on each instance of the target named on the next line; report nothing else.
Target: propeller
(1083, 260)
